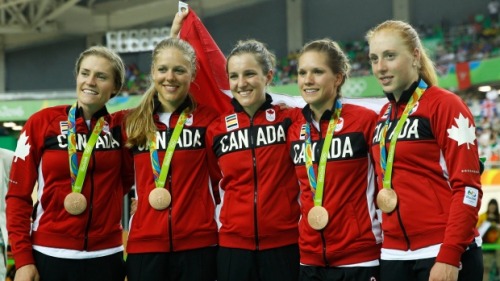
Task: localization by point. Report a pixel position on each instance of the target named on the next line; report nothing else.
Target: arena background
(40, 41)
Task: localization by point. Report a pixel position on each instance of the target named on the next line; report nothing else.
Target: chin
(388, 89)
(308, 100)
(245, 102)
(86, 100)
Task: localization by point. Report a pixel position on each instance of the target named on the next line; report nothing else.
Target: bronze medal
(75, 203)
(159, 198)
(317, 217)
(387, 200)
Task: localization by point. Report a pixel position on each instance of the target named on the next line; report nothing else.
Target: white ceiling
(29, 22)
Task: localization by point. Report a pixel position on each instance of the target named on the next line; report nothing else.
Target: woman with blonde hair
(173, 233)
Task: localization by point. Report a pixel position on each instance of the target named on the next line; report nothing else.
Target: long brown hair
(337, 59)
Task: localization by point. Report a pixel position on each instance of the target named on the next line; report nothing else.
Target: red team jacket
(353, 233)
(436, 175)
(42, 155)
(188, 223)
(260, 208)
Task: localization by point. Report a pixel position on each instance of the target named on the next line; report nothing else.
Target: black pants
(190, 265)
(108, 268)
(316, 273)
(419, 270)
(278, 264)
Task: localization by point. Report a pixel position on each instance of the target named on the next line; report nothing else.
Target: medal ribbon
(317, 185)
(78, 172)
(160, 174)
(387, 161)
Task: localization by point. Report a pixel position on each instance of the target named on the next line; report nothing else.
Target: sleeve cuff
(24, 258)
(449, 255)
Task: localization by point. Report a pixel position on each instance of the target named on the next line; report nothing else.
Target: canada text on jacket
(252, 137)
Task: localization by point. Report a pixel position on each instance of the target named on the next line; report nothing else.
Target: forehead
(96, 63)
(171, 55)
(242, 61)
(386, 40)
(313, 59)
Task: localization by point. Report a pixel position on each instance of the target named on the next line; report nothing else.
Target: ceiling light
(485, 89)
(9, 124)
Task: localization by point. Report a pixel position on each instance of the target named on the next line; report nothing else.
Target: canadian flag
(211, 86)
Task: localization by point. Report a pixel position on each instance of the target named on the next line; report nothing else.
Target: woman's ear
(339, 80)
(416, 58)
(269, 76)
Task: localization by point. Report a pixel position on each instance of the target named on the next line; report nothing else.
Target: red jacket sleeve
(23, 177)
(455, 133)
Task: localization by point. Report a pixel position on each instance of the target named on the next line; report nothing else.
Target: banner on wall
(21, 110)
(354, 87)
(480, 72)
(473, 72)
(463, 75)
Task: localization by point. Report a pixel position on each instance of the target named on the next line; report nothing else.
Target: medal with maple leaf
(464, 132)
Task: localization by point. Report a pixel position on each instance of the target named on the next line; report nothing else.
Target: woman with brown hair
(74, 154)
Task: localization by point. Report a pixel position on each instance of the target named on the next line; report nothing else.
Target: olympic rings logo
(354, 88)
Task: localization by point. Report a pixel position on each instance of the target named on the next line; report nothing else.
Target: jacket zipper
(403, 230)
(323, 240)
(255, 189)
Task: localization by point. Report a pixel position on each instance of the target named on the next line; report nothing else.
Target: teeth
(89, 92)
(245, 93)
(310, 91)
(170, 88)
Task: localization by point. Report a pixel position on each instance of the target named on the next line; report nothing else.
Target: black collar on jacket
(406, 95)
(327, 115)
(157, 105)
(266, 105)
(79, 112)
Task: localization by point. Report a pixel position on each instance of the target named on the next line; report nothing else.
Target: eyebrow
(97, 72)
